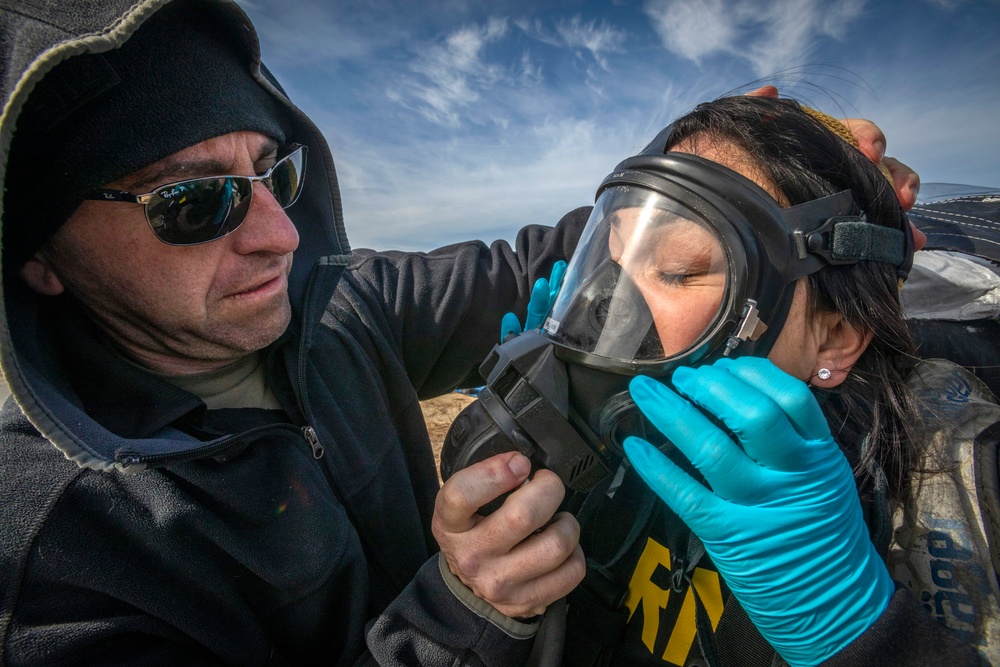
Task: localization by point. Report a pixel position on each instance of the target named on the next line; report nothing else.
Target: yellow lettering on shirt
(654, 599)
(642, 589)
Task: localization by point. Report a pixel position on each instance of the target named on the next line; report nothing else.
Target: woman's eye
(673, 278)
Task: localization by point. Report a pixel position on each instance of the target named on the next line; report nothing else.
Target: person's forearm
(428, 625)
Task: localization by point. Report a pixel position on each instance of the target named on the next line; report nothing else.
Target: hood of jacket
(40, 34)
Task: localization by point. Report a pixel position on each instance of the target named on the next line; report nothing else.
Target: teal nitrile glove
(543, 295)
(782, 522)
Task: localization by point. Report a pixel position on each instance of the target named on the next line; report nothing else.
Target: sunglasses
(200, 210)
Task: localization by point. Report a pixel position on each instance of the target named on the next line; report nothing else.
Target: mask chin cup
(610, 318)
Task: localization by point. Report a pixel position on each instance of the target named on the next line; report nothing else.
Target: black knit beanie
(182, 78)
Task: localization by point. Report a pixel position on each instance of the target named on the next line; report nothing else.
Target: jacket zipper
(309, 433)
(128, 459)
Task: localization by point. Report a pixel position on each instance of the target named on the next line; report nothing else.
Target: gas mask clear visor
(647, 283)
(684, 260)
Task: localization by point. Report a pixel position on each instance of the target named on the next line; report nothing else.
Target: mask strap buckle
(751, 327)
(822, 239)
(851, 239)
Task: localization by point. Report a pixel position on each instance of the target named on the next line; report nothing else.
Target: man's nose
(267, 227)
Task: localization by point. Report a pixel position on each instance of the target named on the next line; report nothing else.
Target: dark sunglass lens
(198, 211)
(286, 178)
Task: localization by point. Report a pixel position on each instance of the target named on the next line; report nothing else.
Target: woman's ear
(40, 276)
(840, 348)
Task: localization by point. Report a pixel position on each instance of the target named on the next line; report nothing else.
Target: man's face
(182, 309)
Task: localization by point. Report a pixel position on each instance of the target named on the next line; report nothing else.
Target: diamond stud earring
(824, 374)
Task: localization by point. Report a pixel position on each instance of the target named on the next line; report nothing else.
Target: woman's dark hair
(872, 413)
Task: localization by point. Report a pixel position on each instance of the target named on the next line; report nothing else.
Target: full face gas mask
(682, 261)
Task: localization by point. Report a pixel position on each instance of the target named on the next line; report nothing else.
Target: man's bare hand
(872, 143)
(520, 558)
(764, 91)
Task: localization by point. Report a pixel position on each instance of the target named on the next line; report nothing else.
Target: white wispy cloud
(534, 29)
(316, 33)
(448, 75)
(947, 5)
(597, 38)
(694, 30)
(486, 190)
(770, 35)
(531, 70)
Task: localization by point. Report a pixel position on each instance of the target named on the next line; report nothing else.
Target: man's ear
(38, 273)
(839, 350)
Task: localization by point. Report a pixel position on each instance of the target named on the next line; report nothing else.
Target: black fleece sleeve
(907, 636)
(429, 625)
(443, 308)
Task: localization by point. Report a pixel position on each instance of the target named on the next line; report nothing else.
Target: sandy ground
(439, 413)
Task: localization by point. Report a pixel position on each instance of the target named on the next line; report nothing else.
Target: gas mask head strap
(821, 239)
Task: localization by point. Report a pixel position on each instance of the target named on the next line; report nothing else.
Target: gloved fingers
(697, 506)
(538, 304)
(791, 394)
(543, 295)
(555, 280)
(510, 324)
(724, 465)
(755, 418)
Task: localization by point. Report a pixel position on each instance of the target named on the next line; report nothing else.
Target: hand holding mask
(782, 521)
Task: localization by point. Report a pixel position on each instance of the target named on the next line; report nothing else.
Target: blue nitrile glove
(543, 295)
(782, 522)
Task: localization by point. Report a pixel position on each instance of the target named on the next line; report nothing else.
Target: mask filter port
(620, 418)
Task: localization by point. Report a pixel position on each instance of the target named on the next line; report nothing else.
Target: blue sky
(452, 119)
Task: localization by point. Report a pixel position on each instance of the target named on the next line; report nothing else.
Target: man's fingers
(479, 548)
(871, 140)
(906, 183)
(919, 238)
(764, 91)
(520, 559)
(471, 488)
(525, 511)
(539, 570)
